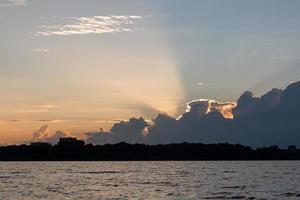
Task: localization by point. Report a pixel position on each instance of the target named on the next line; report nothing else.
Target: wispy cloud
(36, 108)
(93, 25)
(108, 121)
(32, 110)
(33, 121)
(40, 50)
(48, 106)
(9, 3)
(51, 120)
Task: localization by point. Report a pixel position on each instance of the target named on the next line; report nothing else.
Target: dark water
(150, 180)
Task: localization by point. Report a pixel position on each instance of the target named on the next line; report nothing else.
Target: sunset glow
(89, 65)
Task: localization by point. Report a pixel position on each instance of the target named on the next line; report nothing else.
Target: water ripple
(150, 180)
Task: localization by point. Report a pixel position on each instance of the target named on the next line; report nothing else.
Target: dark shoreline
(38, 161)
(76, 150)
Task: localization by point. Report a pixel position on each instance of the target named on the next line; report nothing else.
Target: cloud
(204, 106)
(224, 108)
(98, 137)
(131, 131)
(93, 25)
(247, 104)
(270, 119)
(51, 120)
(42, 135)
(46, 106)
(32, 110)
(40, 50)
(33, 121)
(9, 3)
(37, 109)
(54, 139)
(18, 2)
(108, 121)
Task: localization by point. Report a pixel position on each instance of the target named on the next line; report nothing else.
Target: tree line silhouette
(71, 149)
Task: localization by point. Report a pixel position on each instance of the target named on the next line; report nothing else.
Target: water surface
(150, 180)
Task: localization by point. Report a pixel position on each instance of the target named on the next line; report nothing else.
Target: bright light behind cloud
(93, 25)
(160, 91)
(225, 108)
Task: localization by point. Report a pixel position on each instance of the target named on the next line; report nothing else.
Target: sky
(77, 65)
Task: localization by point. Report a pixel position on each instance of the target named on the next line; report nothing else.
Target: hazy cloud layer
(93, 25)
(33, 121)
(8, 3)
(270, 119)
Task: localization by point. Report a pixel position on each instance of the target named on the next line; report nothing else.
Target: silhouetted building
(292, 148)
(274, 147)
(40, 144)
(70, 141)
(71, 149)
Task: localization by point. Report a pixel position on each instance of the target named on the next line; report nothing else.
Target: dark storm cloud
(131, 131)
(98, 137)
(273, 118)
(248, 104)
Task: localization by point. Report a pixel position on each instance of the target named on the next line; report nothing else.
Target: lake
(150, 180)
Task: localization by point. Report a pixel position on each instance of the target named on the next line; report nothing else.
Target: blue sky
(79, 63)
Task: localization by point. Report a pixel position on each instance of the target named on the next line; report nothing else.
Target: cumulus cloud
(248, 104)
(93, 25)
(42, 135)
(98, 137)
(53, 139)
(131, 131)
(224, 108)
(205, 106)
(270, 119)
